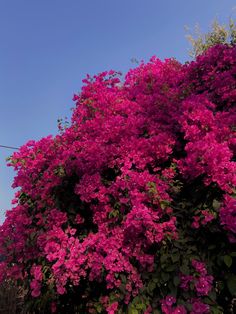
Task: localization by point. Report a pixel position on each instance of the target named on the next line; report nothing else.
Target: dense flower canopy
(132, 207)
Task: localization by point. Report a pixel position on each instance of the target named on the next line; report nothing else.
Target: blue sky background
(48, 46)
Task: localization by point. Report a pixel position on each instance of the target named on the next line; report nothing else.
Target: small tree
(218, 34)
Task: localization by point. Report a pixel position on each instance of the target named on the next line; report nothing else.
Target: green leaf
(123, 278)
(211, 247)
(170, 268)
(151, 286)
(212, 295)
(175, 257)
(176, 281)
(184, 269)
(173, 289)
(140, 306)
(164, 258)
(219, 260)
(208, 301)
(216, 204)
(164, 204)
(122, 288)
(114, 213)
(98, 308)
(231, 283)
(228, 260)
(165, 276)
(216, 310)
(132, 310)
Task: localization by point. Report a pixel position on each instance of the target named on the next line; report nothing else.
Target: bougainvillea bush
(131, 208)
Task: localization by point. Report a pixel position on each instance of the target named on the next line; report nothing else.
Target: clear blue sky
(48, 46)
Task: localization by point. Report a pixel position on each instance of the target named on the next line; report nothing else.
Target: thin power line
(9, 147)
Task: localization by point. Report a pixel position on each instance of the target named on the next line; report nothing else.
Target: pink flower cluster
(95, 201)
(204, 218)
(199, 307)
(168, 308)
(36, 272)
(202, 281)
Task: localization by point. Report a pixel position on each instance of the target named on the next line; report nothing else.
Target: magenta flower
(200, 267)
(199, 308)
(203, 285)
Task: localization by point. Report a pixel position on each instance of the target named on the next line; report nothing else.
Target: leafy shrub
(131, 208)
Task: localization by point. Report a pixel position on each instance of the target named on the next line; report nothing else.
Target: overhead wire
(9, 147)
